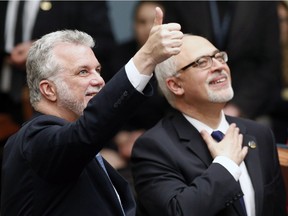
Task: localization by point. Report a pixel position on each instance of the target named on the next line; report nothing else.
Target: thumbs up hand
(164, 41)
(158, 20)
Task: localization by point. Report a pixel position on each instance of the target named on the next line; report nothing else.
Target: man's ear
(48, 90)
(175, 86)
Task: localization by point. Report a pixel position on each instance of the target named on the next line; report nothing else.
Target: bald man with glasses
(180, 169)
(206, 61)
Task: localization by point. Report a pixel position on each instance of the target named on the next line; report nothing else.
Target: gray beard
(221, 96)
(67, 99)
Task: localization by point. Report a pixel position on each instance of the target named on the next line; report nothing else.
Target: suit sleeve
(58, 148)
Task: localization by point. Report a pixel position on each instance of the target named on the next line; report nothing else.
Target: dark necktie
(18, 36)
(218, 136)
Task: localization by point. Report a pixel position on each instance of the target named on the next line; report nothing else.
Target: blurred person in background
(280, 114)
(252, 42)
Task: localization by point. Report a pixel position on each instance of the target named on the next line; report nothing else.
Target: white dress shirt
(238, 172)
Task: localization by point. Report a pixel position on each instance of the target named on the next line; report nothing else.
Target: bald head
(193, 47)
(198, 73)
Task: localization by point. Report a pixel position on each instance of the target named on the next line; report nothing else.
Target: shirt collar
(223, 126)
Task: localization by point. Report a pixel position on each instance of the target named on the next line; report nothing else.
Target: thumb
(207, 137)
(158, 17)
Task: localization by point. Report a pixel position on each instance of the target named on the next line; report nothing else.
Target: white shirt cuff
(139, 81)
(230, 165)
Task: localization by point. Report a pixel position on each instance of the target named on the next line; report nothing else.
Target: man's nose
(96, 81)
(216, 63)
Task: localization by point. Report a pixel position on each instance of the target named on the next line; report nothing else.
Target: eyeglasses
(205, 62)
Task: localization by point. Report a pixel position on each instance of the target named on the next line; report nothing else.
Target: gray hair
(41, 63)
(163, 71)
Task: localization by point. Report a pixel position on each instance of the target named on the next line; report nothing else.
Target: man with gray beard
(175, 172)
(52, 165)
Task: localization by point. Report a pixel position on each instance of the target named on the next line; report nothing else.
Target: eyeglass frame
(225, 60)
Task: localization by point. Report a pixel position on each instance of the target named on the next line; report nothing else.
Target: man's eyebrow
(213, 53)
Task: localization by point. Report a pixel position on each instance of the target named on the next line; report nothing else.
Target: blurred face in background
(143, 21)
(283, 21)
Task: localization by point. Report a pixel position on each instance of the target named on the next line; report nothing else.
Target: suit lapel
(255, 172)
(123, 189)
(105, 183)
(252, 162)
(189, 136)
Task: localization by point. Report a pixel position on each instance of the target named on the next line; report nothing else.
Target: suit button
(252, 144)
(239, 195)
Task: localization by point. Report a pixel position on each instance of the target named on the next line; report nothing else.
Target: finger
(207, 137)
(174, 29)
(240, 140)
(174, 50)
(158, 17)
(236, 133)
(174, 46)
(244, 152)
(231, 131)
(231, 127)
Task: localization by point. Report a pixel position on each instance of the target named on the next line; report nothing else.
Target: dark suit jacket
(153, 109)
(252, 45)
(173, 173)
(49, 166)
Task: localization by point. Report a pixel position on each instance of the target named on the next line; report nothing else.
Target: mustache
(216, 74)
(93, 90)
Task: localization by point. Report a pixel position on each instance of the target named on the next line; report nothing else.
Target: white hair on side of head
(163, 71)
(41, 63)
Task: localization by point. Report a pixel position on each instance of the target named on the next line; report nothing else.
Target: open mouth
(91, 94)
(218, 81)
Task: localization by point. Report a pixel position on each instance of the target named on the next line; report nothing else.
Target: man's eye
(98, 70)
(219, 58)
(202, 62)
(83, 72)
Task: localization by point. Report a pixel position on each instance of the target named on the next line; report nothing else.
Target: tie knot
(217, 135)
